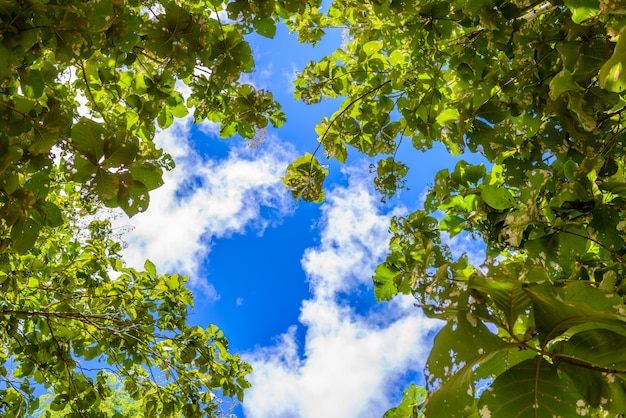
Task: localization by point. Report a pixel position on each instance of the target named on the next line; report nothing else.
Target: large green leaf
(88, 137)
(120, 151)
(583, 9)
(148, 176)
(555, 314)
(531, 389)
(135, 199)
(24, 234)
(51, 214)
(44, 138)
(412, 398)
(497, 197)
(601, 348)
(384, 282)
(447, 355)
(106, 184)
(457, 396)
(507, 294)
(613, 73)
(593, 360)
(561, 83)
(265, 27)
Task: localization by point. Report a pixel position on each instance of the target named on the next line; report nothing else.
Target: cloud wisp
(350, 360)
(203, 199)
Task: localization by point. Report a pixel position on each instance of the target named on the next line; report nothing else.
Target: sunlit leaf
(582, 9)
(497, 197)
(613, 73)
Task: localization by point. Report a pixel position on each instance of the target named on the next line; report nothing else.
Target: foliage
(538, 89)
(84, 85)
(90, 81)
(409, 407)
(71, 311)
(119, 402)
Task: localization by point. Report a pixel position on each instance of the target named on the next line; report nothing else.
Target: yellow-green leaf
(613, 73)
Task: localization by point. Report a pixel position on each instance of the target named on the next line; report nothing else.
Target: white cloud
(291, 76)
(351, 360)
(203, 199)
(353, 242)
(209, 128)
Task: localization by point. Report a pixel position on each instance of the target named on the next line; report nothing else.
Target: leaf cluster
(72, 314)
(537, 88)
(89, 82)
(84, 86)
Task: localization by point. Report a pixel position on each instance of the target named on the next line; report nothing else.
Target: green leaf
(51, 214)
(411, 399)
(59, 403)
(165, 117)
(150, 268)
(120, 151)
(454, 225)
(88, 137)
(151, 177)
(448, 115)
(134, 200)
(6, 59)
(24, 234)
(106, 184)
(612, 75)
(561, 83)
(597, 389)
(497, 197)
(265, 27)
(570, 168)
(34, 86)
(508, 295)
(599, 348)
(555, 314)
(39, 183)
(384, 282)
(583, 9)
(447, 356)
(396, 58)
(456, 397)
(102, 17)
(44, 138)
(372, 47)
(531, 389)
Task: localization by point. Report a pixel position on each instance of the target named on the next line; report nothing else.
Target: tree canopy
(119, 404)
(89, 82)
(535, 87)
(84, 85)
(538, 89)
(71, 312)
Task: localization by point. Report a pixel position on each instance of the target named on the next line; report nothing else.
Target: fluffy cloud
(464, 244)
(351, 360)
(203, 199)
(352, 243)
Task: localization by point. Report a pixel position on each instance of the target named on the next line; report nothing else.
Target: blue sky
(290, 284)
